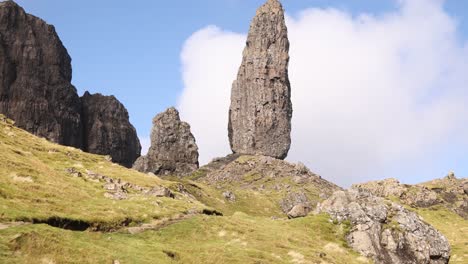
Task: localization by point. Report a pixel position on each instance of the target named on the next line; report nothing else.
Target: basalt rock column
(173, 148)
(261, 109)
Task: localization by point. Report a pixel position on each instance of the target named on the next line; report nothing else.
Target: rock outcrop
(261, 109)
(448, 192)
(107, 129)
(173, 148)
(385, 231)
(36, 92)
(291, 190)
(35, 78)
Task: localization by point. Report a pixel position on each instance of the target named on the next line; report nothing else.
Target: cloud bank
(373, 96)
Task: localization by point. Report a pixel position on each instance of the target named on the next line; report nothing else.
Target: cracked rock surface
(261, 109)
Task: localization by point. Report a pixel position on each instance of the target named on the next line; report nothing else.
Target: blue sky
(132, 49)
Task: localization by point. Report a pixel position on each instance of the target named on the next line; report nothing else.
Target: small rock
(229, 196)
(74, 173)
(451, 176)
(293, 199)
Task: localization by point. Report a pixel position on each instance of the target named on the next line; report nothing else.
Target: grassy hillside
(55, 207)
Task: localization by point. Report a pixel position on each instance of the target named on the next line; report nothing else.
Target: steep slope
(61, 205)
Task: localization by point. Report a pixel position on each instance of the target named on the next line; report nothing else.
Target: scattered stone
(386, 231)
(173, 148)
(108, 130)
(74, 172)
(261, 109)
(229, 196)
(118, 189)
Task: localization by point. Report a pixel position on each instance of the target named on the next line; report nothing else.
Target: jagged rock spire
(261, 109)
(173, 148)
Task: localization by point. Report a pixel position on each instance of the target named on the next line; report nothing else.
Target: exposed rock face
(173, 148)
(107, 129)
(448, 192)
(261, 109)
(35, 76)
(385, 231)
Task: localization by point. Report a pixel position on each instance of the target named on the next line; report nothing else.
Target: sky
(379, 87)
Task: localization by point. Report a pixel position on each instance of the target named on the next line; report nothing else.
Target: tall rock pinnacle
(261, 109)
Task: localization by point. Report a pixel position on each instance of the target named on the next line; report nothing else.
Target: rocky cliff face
(261, 109)
(385, 231)
(36, 92)
(173, 148)
(107, 129)
(35, 76)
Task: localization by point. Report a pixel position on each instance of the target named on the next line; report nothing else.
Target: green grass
(35, 185)
(203, 239)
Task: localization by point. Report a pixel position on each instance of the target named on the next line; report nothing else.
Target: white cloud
(145, 145)
(371, 94)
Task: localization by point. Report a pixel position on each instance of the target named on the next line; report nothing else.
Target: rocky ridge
(261, 109)
(449, 192)
(36, 91)
(173, 148)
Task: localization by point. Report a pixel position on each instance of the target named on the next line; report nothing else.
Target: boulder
(35, 78)
(261, 109)
(173, 148)
(108, 130)
(299, 210)
(385, 231)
